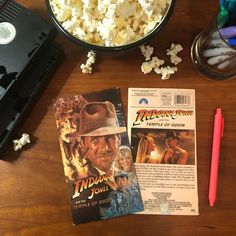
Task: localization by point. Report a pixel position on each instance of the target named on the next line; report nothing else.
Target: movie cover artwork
(97, 158)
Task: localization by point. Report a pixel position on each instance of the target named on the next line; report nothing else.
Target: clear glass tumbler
(212, 54)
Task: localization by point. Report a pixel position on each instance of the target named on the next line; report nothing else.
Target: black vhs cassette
(28, 57)
(23, 35)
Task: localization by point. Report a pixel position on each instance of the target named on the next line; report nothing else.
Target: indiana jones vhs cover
(96, 155)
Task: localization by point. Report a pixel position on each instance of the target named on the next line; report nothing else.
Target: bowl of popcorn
(110, 25)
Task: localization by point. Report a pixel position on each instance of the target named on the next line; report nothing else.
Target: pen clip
(222, 126)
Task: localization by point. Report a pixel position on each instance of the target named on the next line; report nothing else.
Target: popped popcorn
(147, 51)
(156, 63)
(109, 22)
(87, 68)
(148, 66)
(165, 71)
(172, 52)
(19, 143)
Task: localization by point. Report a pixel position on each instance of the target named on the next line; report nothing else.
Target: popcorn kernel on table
(156, 63)
(19, 143)
(87, 68)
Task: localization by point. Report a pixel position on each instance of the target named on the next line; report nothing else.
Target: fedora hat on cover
(99, 118)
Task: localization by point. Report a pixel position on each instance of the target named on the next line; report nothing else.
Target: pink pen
(218, 133)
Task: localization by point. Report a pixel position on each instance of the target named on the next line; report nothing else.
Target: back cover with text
(162, 132)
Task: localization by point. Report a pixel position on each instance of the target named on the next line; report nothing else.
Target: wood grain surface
(33, 194)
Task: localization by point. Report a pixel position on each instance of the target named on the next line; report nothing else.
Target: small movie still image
(163, 146)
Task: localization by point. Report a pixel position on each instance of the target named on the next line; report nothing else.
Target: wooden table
(33, 194)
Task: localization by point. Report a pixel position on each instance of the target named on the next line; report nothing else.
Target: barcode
(182, 99)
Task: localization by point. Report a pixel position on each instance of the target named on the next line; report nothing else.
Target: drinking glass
(212, 54)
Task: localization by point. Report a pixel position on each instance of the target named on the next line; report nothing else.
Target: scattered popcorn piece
(156, 62)
(175, 60)
(174, 49)
(172, 52)
(165, 71)
(147, 51)
(19, 143)
(87, 68)
(146, 67)
(91, 57)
